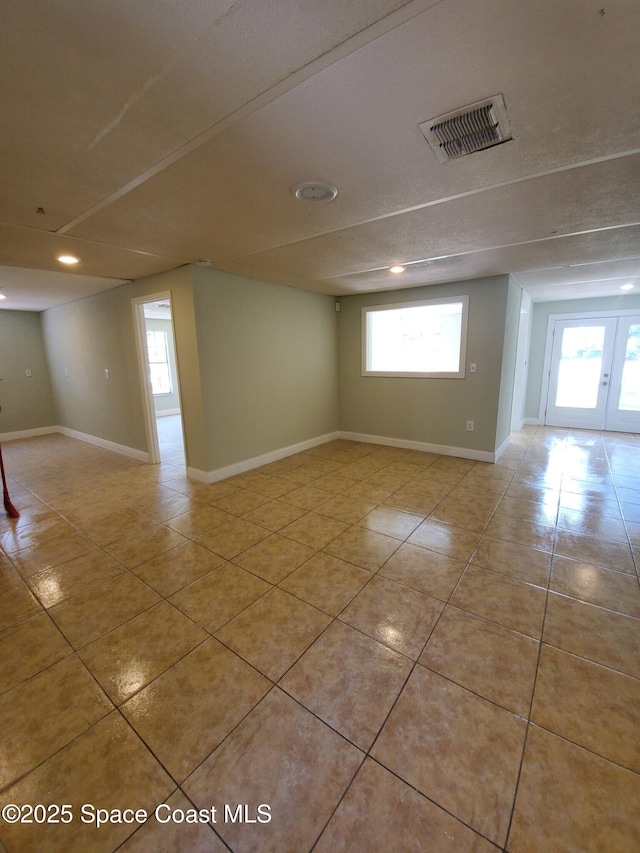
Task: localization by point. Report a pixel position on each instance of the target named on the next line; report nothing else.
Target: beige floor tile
(424, 570)
(273, 632)
(274, 515)
(414, 500)
(466, 514)
(326, 582)
(446, 539)
(275, 557)
(29, 647)
(592, 523)
(220, 595)
(533, 511)
(509, 602)
(134, 550)
(397, 616)
(364, 548)
(523, 532)
(592, 549)
(348, 680)
(241, 502)
(391, 522)
(607, 638)
(233, 537)
(166, 835)
(369, 492)
(129, 657)
(68, 579)
(569, 799)
(458, 749)
(16, 602)
(381, 813)
(58, 549)
(113, 525)
(490, 660)
(172, 571)
(99, 609)
(282, 756)
(211, 685)
(272, 487)
(107, 767)
(314, 529)
(198, 520)
(345, 508)
(307, 497)
(590, 705)
(515, 561)
(613, 590)
(40, 716)
(21, 536)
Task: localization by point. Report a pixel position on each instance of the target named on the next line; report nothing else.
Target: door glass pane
(580, 366)
(630, 391)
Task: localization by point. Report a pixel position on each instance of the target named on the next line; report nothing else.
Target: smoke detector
(467, 130)
(315, 191)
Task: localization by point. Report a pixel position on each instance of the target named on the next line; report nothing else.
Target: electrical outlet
(106, 373)
(67, 372)
(471, 425)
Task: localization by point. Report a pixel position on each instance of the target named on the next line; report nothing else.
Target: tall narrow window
(157, 347)
(426, 338)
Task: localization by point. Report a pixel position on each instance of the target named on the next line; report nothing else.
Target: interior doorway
(594, 373)
(160, 379)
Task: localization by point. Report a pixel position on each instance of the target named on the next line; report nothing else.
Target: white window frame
(165, 361)
(367, 343)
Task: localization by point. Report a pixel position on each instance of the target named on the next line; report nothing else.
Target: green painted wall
(26, 401)
(268, 361)
(434, 411)
(540, 322)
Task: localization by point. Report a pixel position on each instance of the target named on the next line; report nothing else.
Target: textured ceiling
(153, 134)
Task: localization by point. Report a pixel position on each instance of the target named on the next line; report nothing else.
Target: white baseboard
(533, 422)
(131, 452)
(259, 461)
(28, 433)
(164, 413)
(442, 449)
(501, 449)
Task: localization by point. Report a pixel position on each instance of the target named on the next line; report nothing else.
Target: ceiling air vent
(473, 128)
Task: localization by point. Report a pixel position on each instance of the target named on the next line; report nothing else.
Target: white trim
(500, 450)
(367, 313)
(131, 452)
(258, 461)
(163, 413)
(28, 433)
(442, 449)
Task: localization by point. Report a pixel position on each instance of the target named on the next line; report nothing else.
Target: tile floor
(379, 649)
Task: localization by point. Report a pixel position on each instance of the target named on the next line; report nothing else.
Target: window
(426, 338)
(158, 350)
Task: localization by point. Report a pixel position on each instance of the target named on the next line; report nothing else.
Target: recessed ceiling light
(203, 262)
(68, 259)
(628, 286)
(397, 268)
(316, 191)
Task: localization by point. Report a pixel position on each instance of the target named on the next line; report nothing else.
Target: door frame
(553, 318)
(140, 330)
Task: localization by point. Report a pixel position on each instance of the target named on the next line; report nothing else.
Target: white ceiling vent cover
(473, 128)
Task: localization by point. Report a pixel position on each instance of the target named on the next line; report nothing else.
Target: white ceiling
(155, 134)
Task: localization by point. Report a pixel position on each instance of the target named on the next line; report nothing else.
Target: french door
(594, 379)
